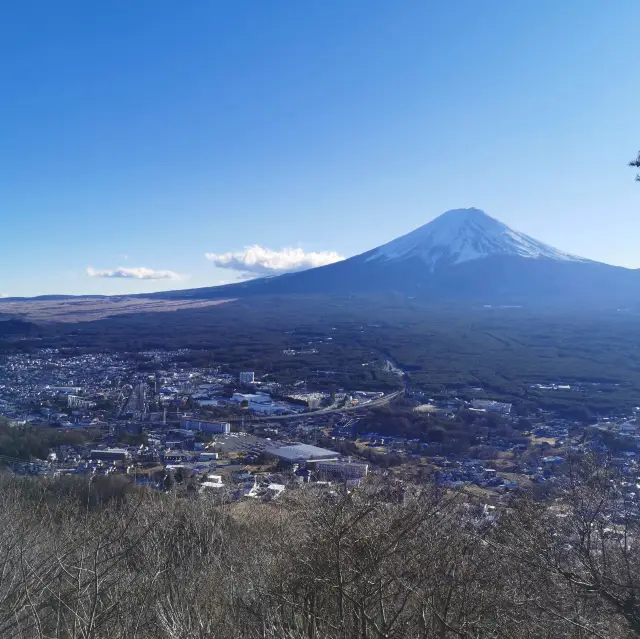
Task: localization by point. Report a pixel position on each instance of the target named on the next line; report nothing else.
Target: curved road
(326, 411)
(250, 417)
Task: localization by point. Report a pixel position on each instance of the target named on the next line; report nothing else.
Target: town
(210, 431)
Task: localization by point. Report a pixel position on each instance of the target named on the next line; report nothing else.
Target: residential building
(247, 378)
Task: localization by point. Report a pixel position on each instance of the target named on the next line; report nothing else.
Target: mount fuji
(462, 235)
(464, 254)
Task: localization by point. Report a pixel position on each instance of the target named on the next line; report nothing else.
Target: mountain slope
(462, 235)
(463, 255)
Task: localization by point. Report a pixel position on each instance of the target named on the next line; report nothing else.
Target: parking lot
(243, 443)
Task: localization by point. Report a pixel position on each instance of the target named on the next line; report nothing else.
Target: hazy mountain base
(86, 309)
(98, 559)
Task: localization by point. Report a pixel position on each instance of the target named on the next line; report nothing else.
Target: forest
(100, 558)
(27, 442)
(463, 433)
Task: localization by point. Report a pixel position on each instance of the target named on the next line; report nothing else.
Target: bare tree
(387, 559)
(579, 552)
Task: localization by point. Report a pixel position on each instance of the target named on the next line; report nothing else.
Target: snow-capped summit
(461, 235)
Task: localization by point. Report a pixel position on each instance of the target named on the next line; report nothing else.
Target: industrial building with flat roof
(296, 453)
(110, 454)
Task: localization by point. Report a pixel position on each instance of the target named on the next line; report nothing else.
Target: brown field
(87, 310)
(540, 440)
(425, 408)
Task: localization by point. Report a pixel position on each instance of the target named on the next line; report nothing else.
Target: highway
(253, 418)
(326, 411)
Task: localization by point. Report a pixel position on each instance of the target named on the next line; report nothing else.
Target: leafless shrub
(384, 560)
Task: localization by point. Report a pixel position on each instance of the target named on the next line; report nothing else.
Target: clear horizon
(149, 146)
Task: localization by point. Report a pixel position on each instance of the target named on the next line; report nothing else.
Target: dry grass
(425, 408)
(540, 440)
(87, 310)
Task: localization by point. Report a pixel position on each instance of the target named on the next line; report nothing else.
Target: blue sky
(151, 133)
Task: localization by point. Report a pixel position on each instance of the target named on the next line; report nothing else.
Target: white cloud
(263, 261)
(3, 295)
(134, 273)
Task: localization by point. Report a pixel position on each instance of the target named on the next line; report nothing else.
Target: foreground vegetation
(101, 559)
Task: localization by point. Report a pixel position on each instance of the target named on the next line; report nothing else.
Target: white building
(213, 482)
(223, 428)
(258, 402)
(247, 378)
(274, 491)
(492, 406)
(73, 401)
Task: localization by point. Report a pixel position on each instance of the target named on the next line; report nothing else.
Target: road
(390, 365)
(252, 418)
(327, 411)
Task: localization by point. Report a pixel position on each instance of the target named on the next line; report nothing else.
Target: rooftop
(301, 452)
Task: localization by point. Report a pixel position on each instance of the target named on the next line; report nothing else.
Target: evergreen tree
(636, 163)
